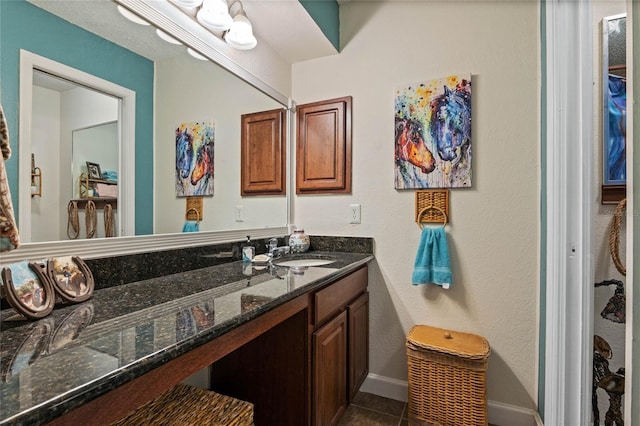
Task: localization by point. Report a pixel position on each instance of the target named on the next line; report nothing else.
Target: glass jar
(299, 241)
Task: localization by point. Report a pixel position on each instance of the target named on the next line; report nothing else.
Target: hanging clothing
(9, 238)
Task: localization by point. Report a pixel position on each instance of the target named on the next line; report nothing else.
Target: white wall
(207, 93)
(604, 269)
(493, 235)
(45, 133)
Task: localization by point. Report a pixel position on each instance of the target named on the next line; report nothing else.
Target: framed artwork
(93, 170)
(433, 134)
(614, 111)
(28, 290)
(71, 278)
(194, 159)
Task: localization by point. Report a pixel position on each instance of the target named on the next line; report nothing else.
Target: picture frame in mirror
(27, 289)
(93, 170)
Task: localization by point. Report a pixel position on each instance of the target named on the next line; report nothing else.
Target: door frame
(126, 198)
(568, 300)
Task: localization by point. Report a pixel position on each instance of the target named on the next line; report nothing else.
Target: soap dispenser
(248, 250)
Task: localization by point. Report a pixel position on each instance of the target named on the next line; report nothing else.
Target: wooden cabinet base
(270, 372)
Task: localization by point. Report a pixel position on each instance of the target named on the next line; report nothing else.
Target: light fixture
(166, 37)
(131, 16)
(187, 4)
(240, 34)
(196, 54)
(214, 15)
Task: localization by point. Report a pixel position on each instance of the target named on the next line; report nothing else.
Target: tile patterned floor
(373, 410)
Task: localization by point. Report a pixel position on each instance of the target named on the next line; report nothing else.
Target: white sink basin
(305, 262)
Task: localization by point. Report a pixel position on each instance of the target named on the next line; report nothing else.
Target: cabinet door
(330, 371)
(323, 154)
(263, 147)
(358, 343)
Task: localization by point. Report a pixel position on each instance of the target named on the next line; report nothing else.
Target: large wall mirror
(614, 109)
(170, 88)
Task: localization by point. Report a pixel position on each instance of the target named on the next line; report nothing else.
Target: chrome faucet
(273, 244)
(280, 251)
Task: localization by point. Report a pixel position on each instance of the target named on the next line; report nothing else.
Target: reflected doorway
(55, 102)
(70, 126)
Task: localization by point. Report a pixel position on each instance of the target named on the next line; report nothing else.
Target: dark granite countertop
(79, 352)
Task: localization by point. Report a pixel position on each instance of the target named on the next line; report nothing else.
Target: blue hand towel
(191, 226)
(432, 264)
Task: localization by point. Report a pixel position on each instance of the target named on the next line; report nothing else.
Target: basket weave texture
(432, 203)
(447, 377)
(185, 405)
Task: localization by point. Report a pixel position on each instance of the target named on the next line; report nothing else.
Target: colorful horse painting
(616, 132)
(433, 134)
(450, 124)
(184, 153)
(204, 163)
(410, 145)
(194, 159)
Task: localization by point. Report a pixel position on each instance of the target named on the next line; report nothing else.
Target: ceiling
(282, 24)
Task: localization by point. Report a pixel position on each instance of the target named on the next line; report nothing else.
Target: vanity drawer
(336, 296)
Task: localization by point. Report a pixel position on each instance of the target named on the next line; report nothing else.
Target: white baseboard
(499, 414)
(511, 415)
(386, 386)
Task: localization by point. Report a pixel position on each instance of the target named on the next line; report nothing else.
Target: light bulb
(215, 15)
(166, 37)
(131, 16)
(196, 54)
(240, 35)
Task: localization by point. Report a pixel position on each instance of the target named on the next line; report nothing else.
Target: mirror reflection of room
(609, 349)
(170, 88)
(614, 99)
(68, 113)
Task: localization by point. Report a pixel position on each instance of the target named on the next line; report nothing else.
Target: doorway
(122, 110)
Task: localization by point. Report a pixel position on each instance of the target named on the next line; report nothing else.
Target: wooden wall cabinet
(323, 147)
(263, 153)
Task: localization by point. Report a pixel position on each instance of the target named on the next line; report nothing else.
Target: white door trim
(569, 276)
(632, 343)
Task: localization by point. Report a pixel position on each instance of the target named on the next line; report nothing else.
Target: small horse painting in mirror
(433, 134)
(194, 159)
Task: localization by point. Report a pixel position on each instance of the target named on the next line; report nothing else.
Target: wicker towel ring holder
(195, 211)
(429, 208)
(614, 237)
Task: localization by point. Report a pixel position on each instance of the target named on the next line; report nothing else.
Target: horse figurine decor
(433, 134)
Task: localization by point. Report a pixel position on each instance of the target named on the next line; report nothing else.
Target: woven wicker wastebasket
(186, 405)
(447, 377)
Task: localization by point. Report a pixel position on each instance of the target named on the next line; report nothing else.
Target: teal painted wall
(326, 14)
(24, 26)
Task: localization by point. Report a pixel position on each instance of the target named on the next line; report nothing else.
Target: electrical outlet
(354, 213)
(239, 214)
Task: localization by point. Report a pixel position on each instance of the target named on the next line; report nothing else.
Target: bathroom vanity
(293, 341)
